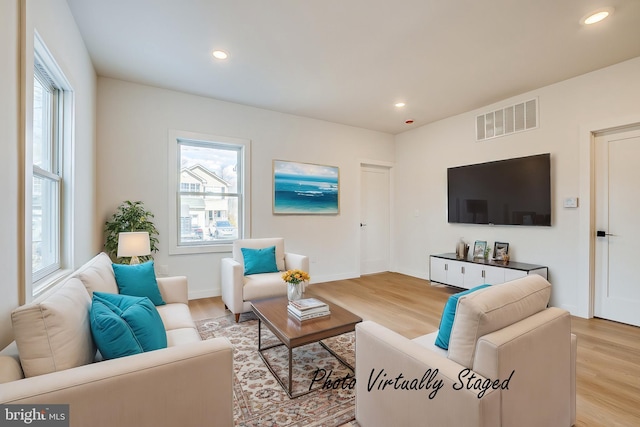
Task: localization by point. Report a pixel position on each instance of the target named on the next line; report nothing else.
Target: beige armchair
(511, 362)
(238, 290)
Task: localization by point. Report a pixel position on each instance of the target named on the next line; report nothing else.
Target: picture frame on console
(478, 248)
(501, 251)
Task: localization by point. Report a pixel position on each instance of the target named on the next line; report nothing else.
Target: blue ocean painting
(303, 188)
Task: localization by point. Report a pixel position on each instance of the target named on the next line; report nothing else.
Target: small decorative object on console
(295, 279)
(501, 251)
(462, 249)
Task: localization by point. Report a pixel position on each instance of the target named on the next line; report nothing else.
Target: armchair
(238, 290)
(511, 362)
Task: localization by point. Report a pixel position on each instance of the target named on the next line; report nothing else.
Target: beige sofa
(502, 333)
(53, 361)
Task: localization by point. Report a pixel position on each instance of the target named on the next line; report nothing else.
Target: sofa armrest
(231, 284)
(537, 350)
(188, 385)
(431, 400)
(296, 262)
(174, 289)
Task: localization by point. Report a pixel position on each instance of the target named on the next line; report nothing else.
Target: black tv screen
(505, 192)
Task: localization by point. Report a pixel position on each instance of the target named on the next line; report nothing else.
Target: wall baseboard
(571, 309)
(216, 292)
(414, 273)
(205, 294)
(333, 277)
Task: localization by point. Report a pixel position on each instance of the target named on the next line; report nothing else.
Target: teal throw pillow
(258, 261)
(138, 280)
(448, 315)
(123, 325)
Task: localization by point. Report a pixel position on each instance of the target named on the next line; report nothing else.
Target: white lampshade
(134, 244)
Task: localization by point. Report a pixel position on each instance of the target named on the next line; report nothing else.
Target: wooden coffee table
(293, 333)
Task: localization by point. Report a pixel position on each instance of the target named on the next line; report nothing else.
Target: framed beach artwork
(305, 189)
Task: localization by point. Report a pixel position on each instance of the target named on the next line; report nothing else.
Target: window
(193, 187)
(46, 170)
(211, 202)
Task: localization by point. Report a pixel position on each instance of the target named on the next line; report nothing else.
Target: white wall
(9, 101)
(423, 155)
(54, 22)
(133, 122)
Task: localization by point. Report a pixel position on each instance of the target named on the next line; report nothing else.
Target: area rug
(258, 398)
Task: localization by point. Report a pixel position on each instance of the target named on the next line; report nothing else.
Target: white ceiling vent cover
(507, 120)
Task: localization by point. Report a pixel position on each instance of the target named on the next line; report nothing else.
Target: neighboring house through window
(208, 182)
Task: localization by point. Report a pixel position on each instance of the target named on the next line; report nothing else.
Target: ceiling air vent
(507, 120)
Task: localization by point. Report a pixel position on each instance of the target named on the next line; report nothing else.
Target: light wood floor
(608, 365)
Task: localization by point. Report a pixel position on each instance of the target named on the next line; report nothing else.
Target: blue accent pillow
(448, 315)
(123, 325)
(258, 261)
(138, 280)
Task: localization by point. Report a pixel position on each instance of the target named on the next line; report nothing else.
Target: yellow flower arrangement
(295, 276)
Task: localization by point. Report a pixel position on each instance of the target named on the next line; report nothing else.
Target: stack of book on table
(308, 308)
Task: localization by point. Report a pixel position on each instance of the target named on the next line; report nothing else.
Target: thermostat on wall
(570, 202)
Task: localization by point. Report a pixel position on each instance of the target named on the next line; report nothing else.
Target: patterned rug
(258, 398)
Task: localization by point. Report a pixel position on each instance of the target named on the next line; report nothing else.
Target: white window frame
(244, 173)
(46, 67)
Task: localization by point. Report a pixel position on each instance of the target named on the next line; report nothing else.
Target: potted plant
(130, 216)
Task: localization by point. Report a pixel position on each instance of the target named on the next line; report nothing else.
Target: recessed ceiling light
(596, 16)
(400, 104)
(220, 54)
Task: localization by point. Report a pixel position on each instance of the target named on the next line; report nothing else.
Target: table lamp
(133, 244)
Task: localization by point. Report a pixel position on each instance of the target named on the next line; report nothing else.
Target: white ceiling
(349, 61)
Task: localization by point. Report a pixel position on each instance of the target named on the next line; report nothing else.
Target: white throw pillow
(53, 332)
(97, 275)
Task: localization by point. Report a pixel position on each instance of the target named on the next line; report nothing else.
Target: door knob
(602, 233)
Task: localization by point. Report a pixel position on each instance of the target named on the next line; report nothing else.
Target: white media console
(468, 273)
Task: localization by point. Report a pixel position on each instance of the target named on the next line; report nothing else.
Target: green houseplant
(130, 216)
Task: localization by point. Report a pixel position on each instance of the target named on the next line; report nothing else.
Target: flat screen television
(505, 192)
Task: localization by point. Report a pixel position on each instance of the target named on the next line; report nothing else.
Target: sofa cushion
(123, 325)
(176, 337)
(428, 341)
(278, 242)
(53, 332)
(97, 275)
(258, 261)
(259, 286)
(10, 370)
(138, 280)
(176, 316)
(448, 314)
(493, 308)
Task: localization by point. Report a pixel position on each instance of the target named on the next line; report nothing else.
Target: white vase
(294, 291)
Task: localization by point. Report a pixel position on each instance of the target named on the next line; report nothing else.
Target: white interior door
(617, 278)
(375, 219)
